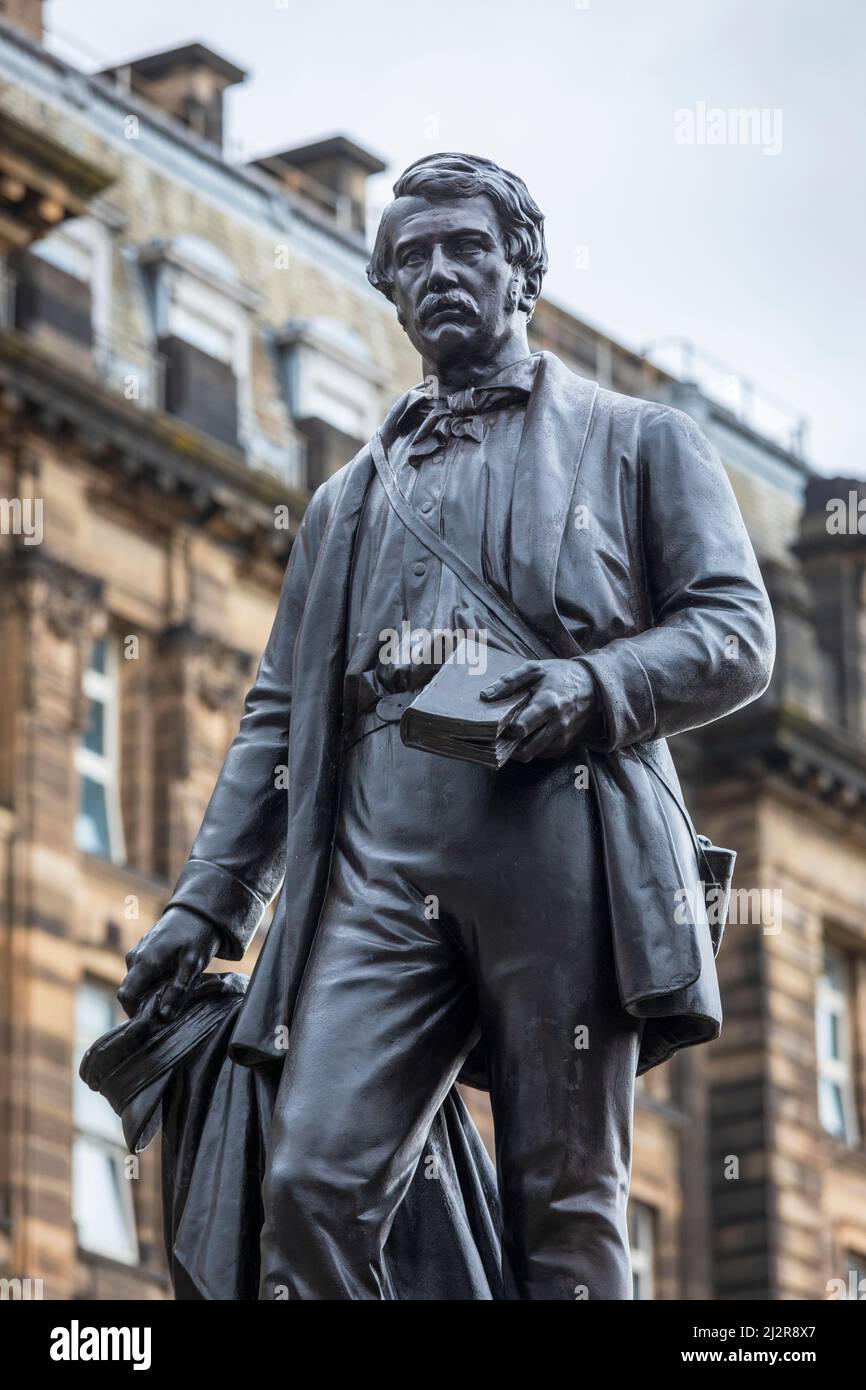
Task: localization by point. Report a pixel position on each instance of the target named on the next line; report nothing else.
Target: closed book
(450, 718)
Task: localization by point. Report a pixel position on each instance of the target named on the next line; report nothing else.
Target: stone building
(187, 347)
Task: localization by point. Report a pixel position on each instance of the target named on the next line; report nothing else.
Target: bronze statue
(538, 928)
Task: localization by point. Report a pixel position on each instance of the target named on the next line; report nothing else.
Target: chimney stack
(187, 83)
(332, 174)
(25, 15)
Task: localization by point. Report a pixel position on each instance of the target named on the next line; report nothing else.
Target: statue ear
(531, 289)
(516, 289)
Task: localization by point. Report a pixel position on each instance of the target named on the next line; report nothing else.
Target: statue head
(461, 254)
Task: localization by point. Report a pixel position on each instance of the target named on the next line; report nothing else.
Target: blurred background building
(188, 346)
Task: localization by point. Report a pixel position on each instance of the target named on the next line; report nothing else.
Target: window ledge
(92, 1259)
(100, 866)
(848, 1154)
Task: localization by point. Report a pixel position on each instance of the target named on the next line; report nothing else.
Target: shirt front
(463, 489)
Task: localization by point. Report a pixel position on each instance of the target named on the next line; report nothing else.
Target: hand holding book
(557, 715)
(517, 708)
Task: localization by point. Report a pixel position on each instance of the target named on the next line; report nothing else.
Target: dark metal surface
(556, 902)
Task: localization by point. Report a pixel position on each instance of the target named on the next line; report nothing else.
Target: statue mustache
(433, 304)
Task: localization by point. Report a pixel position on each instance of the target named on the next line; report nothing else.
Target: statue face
(455, 291)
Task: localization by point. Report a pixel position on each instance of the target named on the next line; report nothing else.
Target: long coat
(623, 506)
(215, 1117)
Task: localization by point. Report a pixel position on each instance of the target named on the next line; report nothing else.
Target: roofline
(322, 149)
(151, 64)
(171, 128)
(262, 182)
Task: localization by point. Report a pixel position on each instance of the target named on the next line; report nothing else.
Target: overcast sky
(752, 250)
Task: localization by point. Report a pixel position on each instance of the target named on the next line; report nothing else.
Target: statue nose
(441, 271)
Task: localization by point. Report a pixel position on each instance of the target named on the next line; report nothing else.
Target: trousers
(462, 902)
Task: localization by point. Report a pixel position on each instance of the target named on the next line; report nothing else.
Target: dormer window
(61, 284)
(332, 385)
(202, 322)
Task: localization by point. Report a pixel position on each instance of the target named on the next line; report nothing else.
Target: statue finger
(535, 746)
(524, 675)
(536, 713)
(175, 992)
(141, 976)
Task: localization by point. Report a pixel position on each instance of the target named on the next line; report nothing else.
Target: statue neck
(458, 376)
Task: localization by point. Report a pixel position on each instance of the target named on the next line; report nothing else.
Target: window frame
(642, 1223)
(103, 687)
(198, 298)
(839, 1072)
(81, 248)
(115, 1149)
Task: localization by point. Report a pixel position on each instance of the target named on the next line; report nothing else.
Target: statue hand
(175, 951)
(562, 702)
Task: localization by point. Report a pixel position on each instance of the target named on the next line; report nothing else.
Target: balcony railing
(761, 410)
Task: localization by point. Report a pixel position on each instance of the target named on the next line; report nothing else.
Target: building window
(62, 286)
(835, 1046)
(641, 1235)
(332, 386)
(103, 1208)
(98, 826)
(202, 316)
(49, 296)
(200, 389)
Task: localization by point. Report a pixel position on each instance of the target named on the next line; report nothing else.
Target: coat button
(419, 569)
(426, 507)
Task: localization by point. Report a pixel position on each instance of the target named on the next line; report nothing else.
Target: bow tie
(457, 415)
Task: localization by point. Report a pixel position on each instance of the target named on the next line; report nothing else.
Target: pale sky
(756, 257)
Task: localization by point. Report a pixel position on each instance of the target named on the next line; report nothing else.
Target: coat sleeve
(712, 643)
(237, 861)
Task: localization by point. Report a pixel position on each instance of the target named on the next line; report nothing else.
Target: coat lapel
(555, 430)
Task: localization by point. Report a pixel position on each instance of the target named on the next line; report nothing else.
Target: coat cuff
(223, 900)
(624, 693)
